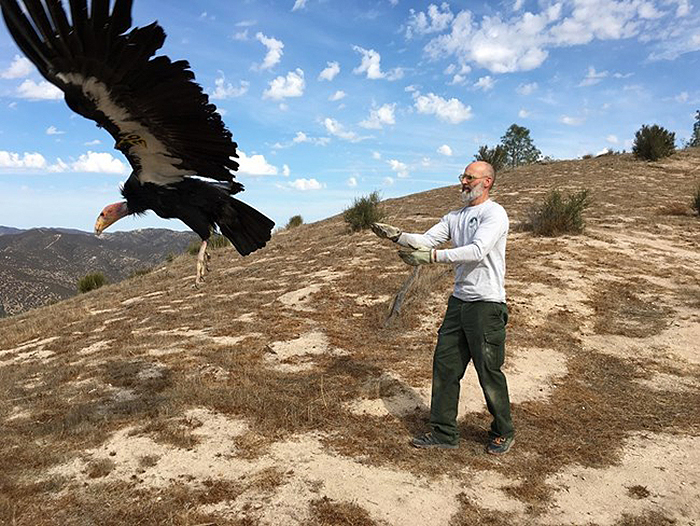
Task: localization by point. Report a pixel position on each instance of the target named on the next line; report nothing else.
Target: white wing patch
(157, 164)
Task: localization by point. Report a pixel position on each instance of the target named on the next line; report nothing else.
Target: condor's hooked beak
(109, 215)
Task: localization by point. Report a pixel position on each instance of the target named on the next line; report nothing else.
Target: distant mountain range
(42, 265)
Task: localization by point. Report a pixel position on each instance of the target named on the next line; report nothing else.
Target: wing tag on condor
(130, 140)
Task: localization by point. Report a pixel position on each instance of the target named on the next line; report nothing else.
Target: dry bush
(557, 216)
(674, 209)
(294, 222)
(652, 143)
(696, 199)
(91, 281)
(363, 212)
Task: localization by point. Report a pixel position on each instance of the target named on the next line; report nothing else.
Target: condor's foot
(202, 264)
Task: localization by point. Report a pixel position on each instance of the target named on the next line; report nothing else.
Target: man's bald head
(481, 169)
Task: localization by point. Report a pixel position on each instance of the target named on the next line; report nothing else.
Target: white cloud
(52, 130)
(42, 91)
(376, 155)
(318, 141)
(485, 83)
(527, 89)
(388, 181)
(228, 91)
(306, 184)
(335, 128)
(274, 50)
(572, 121)
(352, 182)
(400, 168)
(437, 19)
(371, 66)
(452, 110)
(95, 162)
(93, 143)
(337, 96)
(520, 40)
(332, 69)
(290, 86)
(370, 63)
(682, 97)
(241, 35)
(612, 139)
(300, 138)
(91, 162)
(299, 4)
(380, 116)
(523, 113)
(24, 161)
(20, 67)
(445, 150)
(593, 77)
(255, 165)
(285, 170)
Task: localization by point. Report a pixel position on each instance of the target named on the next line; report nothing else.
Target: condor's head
(110, 214)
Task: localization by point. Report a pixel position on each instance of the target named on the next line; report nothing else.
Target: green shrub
(696, 200)
(653, 142)
(218, 241)
(215, 241)
(363, 212)
(557, 216)
(295, 221)
(496, 156)
(91, 281)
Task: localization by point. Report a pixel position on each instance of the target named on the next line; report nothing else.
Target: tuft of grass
(140, 272)
(327, 512)
(363, 212)
(100, 468)
(295, 221)
(91, 281)
(558, 215)
(653, 142)
(695, 203)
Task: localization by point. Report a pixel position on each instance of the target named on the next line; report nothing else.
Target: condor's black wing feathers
(159, 117)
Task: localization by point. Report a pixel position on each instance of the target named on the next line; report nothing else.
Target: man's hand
(386, 231)
(422, 256)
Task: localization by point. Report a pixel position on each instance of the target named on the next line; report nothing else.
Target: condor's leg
(202, 263)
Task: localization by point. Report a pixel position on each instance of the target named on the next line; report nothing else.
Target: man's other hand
(386, 231)
(422, 256)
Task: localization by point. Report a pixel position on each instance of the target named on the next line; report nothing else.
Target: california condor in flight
(158, 116)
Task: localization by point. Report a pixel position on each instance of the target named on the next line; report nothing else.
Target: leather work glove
(421, 256)
(386, 231)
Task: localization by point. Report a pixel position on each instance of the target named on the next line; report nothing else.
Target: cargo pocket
(495, 348)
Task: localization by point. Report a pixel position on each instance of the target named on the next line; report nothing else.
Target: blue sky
(332, 100)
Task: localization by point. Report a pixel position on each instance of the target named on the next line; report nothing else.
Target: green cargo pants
(471, 331)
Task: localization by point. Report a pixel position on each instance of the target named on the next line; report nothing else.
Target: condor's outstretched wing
(159, 117)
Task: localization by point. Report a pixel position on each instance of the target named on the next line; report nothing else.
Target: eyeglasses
(468, 177)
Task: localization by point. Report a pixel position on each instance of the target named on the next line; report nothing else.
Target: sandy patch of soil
(656, 473)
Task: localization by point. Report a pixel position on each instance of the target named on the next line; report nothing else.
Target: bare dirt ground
(275, 394)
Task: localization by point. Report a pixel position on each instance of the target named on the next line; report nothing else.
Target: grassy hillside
(275, 394)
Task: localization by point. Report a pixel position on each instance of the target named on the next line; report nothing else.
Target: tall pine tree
(519, 146)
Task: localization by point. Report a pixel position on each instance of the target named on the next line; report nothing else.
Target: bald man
(474, 325)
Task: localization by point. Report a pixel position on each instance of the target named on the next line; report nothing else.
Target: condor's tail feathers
(246, 228)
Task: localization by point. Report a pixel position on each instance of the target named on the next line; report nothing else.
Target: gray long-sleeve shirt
(478, 234)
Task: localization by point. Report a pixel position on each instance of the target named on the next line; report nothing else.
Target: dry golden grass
(143, 353)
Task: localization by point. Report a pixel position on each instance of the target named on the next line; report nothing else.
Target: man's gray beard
(473, 194)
